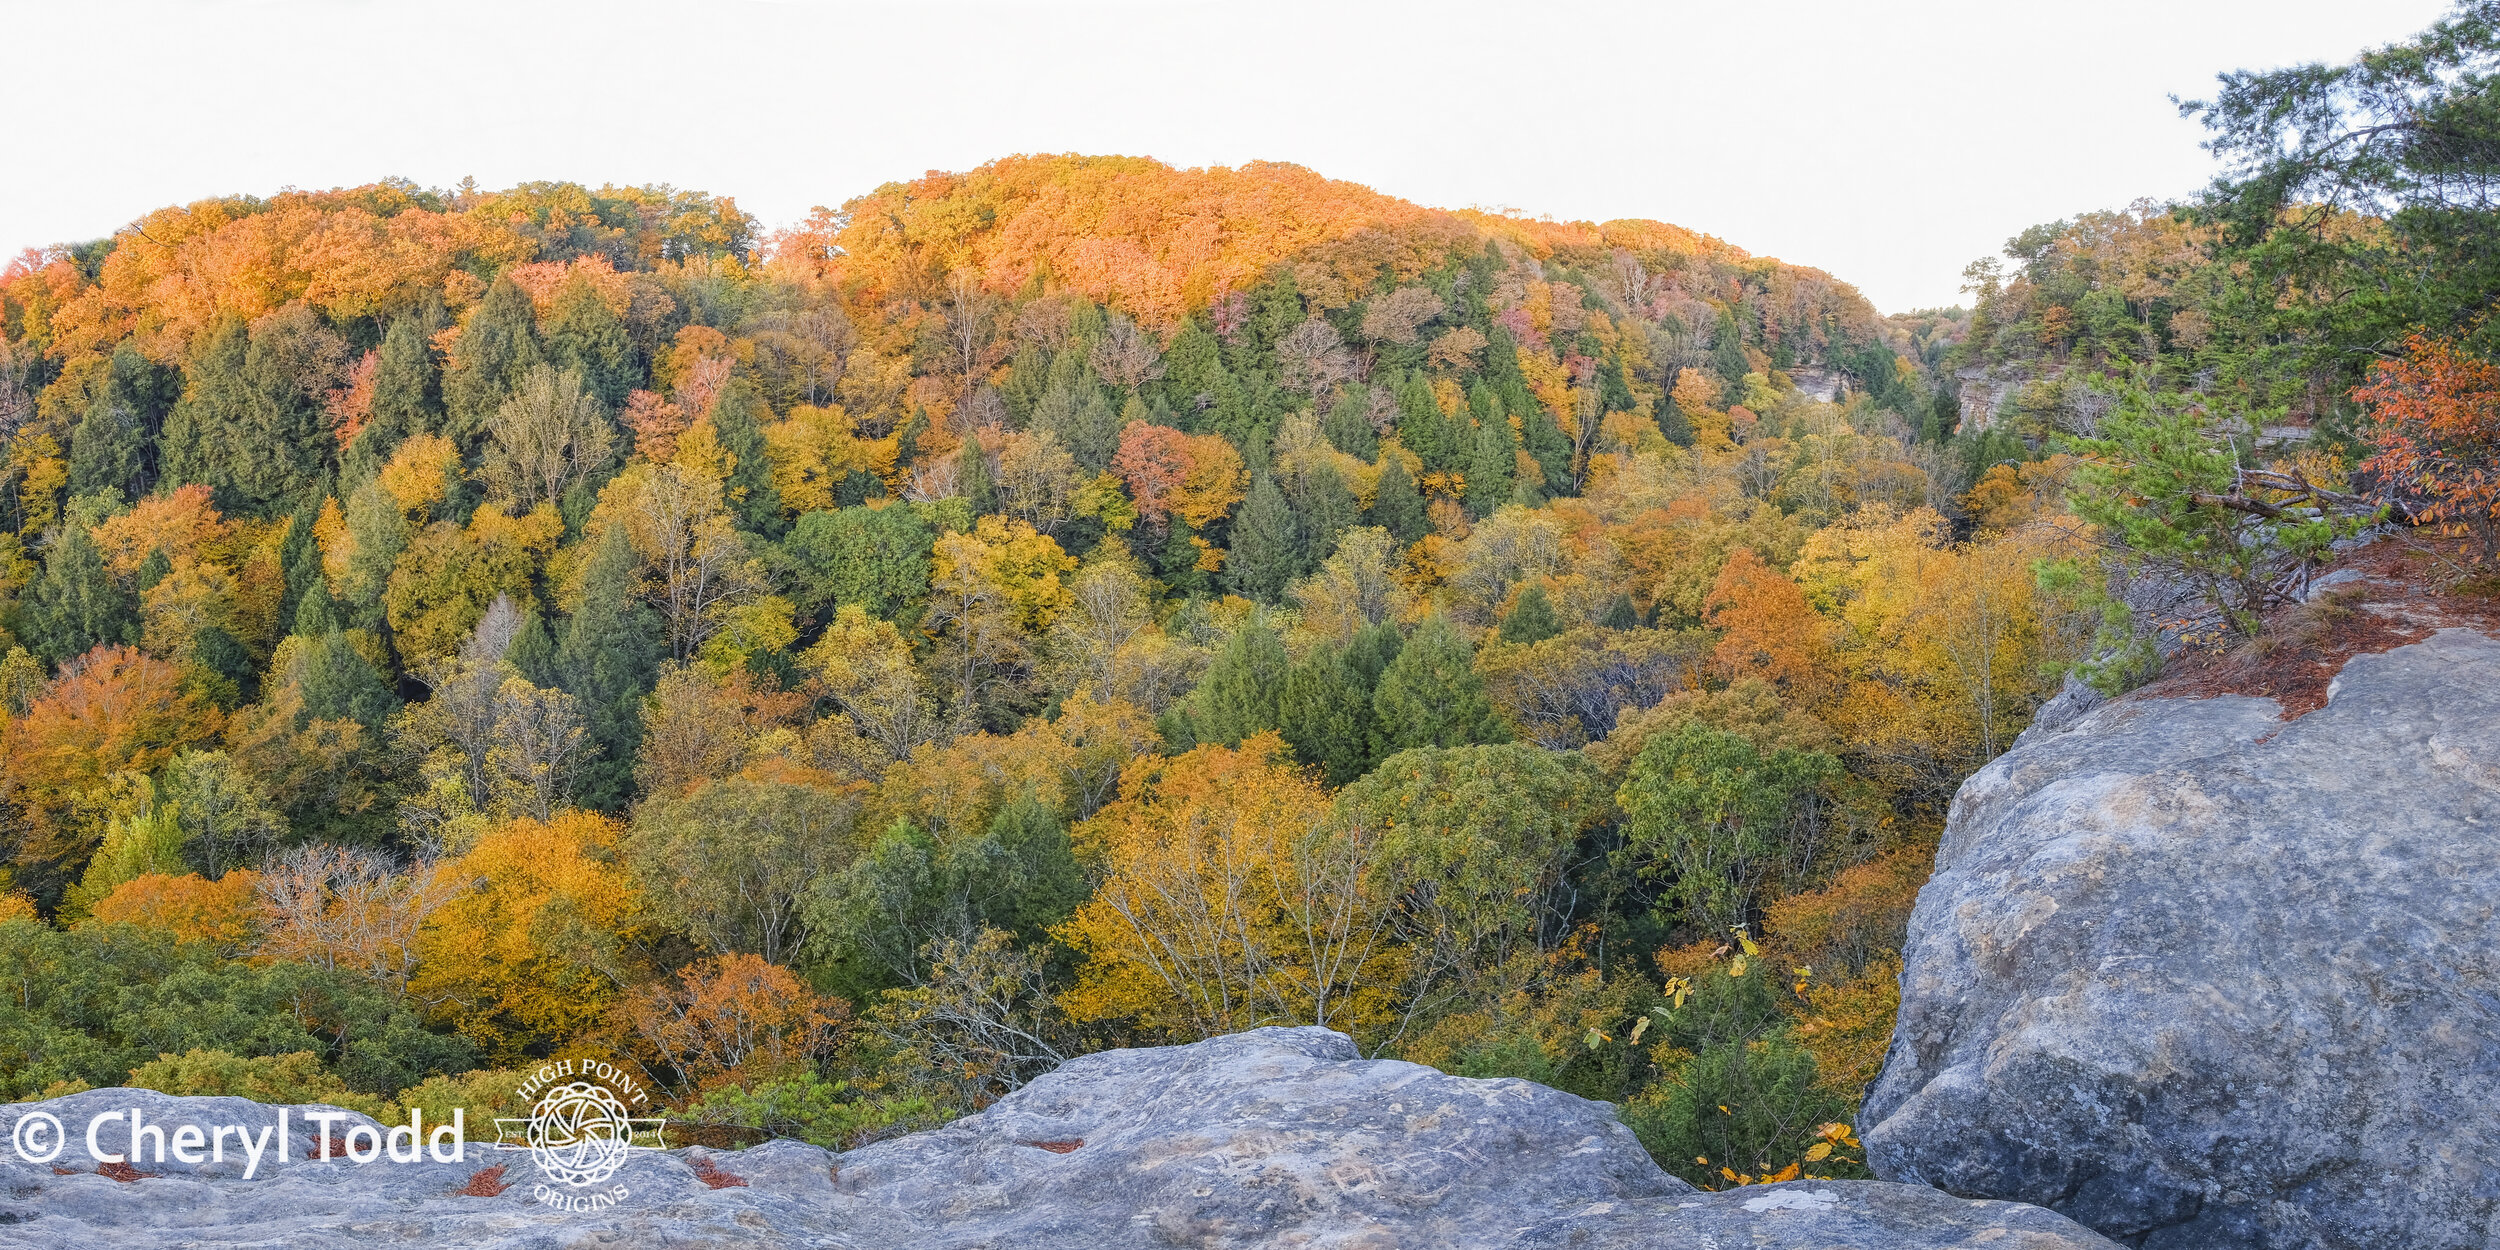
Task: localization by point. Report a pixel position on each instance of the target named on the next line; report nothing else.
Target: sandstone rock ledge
(2205, 979)
(1277, 1137)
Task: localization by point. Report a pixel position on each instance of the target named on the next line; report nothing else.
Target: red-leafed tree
(2435, 425)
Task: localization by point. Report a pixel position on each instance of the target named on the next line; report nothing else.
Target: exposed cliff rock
(1279, 1137)
(2201, 977)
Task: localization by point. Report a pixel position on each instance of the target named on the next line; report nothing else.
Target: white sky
(1890, 143)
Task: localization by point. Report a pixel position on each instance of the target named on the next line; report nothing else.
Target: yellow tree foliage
(1230, 900)
(224, 913)
(1948, 647)
(535, 950)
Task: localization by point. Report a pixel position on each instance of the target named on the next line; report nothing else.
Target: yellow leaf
(1818, 1152)
(1639, 1027)
(1736, 967)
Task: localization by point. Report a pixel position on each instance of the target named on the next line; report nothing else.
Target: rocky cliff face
(2200, 977)
(1278, 1137)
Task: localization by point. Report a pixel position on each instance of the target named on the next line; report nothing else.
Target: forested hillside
(1072, 603)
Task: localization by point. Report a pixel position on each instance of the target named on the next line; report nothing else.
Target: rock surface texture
(2199, 977)
(1278, 1137)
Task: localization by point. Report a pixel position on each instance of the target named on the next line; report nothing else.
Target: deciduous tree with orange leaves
(2435, 425)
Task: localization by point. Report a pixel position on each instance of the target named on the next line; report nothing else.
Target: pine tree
(279, 459)
(1727, 354)
(113, 447)
(1325, 509)
(75, 607)
(1620, 614)
(1432, 696)
(1176, 560)
(607, 661)
(1096, 434)
(1531, 619)
(1489, 470)
(1349, 424)
(494, 352)
(1372, 650)
(1421, 427)
(738, 416)
(216, 401)
(1397, 508)
(340, 684)
(1267, 545)
(1325, 712)
(406, 395)
(299, 560)
(1203, 391)
(1238, 696)
(533, 651)
(1028, 375)
(586, 336)
(972, 478)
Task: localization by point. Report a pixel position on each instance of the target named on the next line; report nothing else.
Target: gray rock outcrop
(2199, 977)
(1277, 1137)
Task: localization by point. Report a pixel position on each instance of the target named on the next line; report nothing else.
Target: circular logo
(37, 1137)
(580, 1134)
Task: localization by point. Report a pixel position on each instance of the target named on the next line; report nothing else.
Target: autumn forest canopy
(848, 669)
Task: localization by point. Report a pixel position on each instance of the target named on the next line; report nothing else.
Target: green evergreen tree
(1372, 650)
(340, 684)
(215, 402)
(1348, 426)
(1489, 470)
(1620, 614)
(1028, 375)
(1324, 510)
(1026, 879)
(738, 415)
(1432, 695)
(299, 559)
(406, 395)
(1266, 548)
(586, 336)
(1397, 507)
(1176, 560)
(1421, 427)
(280, 459)
(317, 611)
(494, 352)
(607, 661)
(1203, 392)
(533, 651)
(972, 478)
(1531, 619)
(379, 533)
(114, 446)
(74, 606)
(1238, 696)
(1325, 712)
(1727, 354)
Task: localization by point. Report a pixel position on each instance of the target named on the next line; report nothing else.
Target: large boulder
(2200, 977)
(1277, 1137)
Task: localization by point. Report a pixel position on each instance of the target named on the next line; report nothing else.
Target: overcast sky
(1888, 142)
